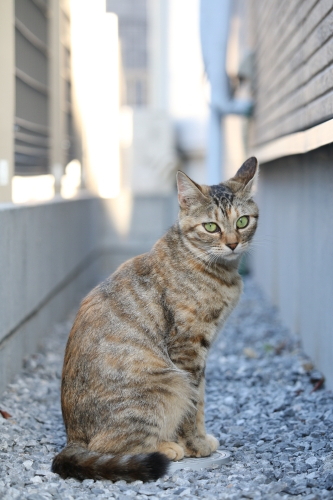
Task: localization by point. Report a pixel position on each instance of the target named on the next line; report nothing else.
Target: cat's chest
(196, 322)
(207, 308)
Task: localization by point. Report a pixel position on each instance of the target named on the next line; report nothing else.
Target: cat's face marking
(222, 197)
(221, 205)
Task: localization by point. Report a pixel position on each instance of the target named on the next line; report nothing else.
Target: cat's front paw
(213, 442)
(200, 446)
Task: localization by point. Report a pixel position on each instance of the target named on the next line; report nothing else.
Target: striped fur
(133, 375)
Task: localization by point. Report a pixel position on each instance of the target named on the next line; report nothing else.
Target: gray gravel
(260, 404)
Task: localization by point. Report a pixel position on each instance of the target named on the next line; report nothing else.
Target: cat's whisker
(213, 259)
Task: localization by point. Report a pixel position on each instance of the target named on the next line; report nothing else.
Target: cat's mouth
(229, 256)
(232, 255)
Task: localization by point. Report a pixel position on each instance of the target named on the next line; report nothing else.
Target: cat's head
(218, 222)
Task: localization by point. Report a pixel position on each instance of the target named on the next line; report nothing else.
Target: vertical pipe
(7, 98)
(214, 30)
(214, 147)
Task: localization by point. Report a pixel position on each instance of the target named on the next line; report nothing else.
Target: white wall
(293, 250)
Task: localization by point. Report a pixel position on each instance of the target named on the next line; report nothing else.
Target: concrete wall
(52, 253)
(293, 254)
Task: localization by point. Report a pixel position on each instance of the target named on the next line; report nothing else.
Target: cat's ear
(245, 177)
(189, 192)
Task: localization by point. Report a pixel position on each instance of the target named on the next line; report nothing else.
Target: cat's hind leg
(148, 418)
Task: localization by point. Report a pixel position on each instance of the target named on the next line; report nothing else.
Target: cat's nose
(232, 245)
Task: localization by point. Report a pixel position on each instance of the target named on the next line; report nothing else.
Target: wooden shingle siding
(300, 66)
(296, 90)
(294, 66)
(281, 50)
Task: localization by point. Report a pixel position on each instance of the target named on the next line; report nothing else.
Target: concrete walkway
(265, 403)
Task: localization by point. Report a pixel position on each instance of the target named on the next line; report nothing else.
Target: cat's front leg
(200, 419)
(193, 443)
(192, 435)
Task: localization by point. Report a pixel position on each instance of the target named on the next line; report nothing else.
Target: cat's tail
(78, 462)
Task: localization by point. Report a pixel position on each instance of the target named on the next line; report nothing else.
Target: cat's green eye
(211, 227)
(242, 222)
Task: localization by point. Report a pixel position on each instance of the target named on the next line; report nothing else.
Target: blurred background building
(103, 100)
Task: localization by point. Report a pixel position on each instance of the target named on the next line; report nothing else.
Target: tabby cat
(133, 377)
